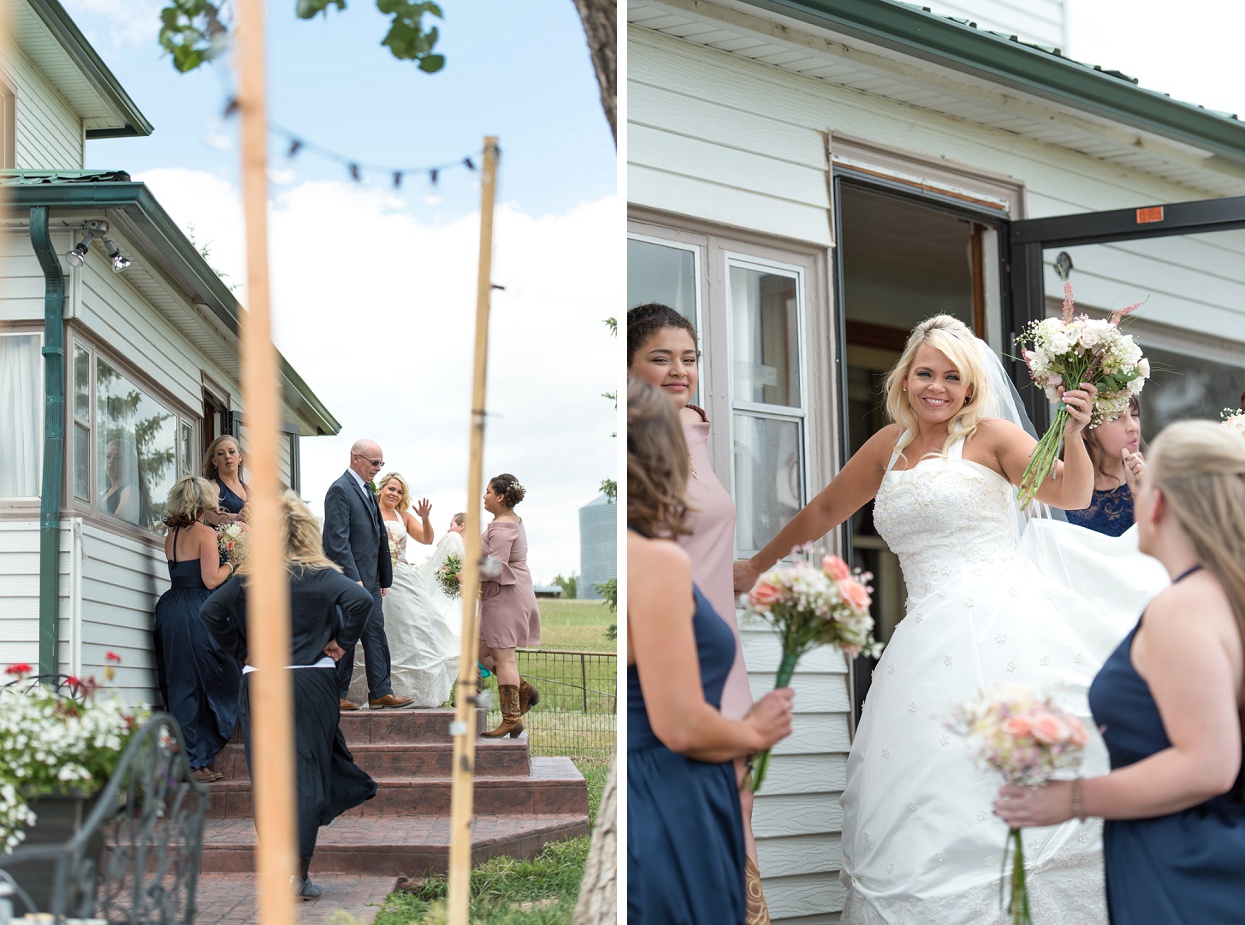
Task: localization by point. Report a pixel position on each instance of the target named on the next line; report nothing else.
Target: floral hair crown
(514, 483)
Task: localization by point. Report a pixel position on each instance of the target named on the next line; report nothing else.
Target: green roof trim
(93, 68)
(181, 259)
(1006, 60)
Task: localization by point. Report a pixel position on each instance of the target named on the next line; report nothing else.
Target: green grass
(504, 891)
(579, 625)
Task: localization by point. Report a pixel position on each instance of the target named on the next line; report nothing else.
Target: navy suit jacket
(354, 536)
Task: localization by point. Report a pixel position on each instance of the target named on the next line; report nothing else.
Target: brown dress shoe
(390, 701)
(345, 705)
(206, 775)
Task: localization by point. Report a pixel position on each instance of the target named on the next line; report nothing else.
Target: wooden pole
(271, 688)
(464, 728)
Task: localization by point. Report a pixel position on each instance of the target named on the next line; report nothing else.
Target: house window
(132, 445)
(750, 300)
(21, 414)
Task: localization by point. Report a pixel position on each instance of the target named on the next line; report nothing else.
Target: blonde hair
(189, 499)
(405, 501)
(209, 468)
(656, 463)
(1199, 467)
(460, 519)
(300, 529)
(952, 338)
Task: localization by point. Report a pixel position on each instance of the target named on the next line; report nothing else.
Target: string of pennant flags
(296, 144)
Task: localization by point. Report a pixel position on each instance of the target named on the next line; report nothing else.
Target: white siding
(19, 592)
(49, 133)
(21, 296)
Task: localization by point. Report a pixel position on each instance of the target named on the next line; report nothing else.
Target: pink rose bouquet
(811, 607)
(233, 540)
(1068, 351)
(1027, 741)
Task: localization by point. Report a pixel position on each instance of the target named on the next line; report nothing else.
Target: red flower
(112, 657)
(72, 682)
(21, 669)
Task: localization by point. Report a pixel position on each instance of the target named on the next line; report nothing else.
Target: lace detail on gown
(1110, 512)
(920, 844)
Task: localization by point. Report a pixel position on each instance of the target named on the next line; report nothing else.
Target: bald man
(355, 538)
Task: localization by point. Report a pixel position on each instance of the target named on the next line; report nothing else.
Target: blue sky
(518, 69)
(373, 290)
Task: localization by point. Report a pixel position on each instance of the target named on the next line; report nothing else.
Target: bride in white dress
(920, 844)
(423, 633)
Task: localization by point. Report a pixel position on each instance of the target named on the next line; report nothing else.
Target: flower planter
(60, 816)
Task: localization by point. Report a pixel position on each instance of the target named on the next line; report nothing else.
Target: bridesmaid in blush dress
(661, 350)
(509, 616)
(685, 851)
(1170, 700)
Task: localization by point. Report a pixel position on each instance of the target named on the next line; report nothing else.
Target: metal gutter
(180, 257)
(53, 440)
(93, 68)
(1002, 60)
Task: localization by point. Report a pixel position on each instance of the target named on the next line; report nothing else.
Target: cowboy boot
(528, 696)
(511, 722)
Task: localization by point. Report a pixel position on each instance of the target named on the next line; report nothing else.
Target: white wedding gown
(424, 627)
(920, 843)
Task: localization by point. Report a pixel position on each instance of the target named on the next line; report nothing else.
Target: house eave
(1043, 73)
(175, 254)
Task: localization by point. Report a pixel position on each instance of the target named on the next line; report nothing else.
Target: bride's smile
(935, 388)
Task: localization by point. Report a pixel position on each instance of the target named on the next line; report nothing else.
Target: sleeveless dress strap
(957, 450)
(176, 530)
(895, 455)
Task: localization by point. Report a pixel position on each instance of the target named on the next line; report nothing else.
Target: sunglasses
(378, 463)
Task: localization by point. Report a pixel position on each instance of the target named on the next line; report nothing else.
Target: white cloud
(130, 22)
(376, 311)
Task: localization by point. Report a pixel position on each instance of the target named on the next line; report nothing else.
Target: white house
(808, 179)
(98, 359)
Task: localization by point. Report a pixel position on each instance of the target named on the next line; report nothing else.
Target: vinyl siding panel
(49, 134)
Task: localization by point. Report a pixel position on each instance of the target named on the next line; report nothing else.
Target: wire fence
(578, 711)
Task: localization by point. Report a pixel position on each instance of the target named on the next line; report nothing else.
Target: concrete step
(493, 757)
(407, 846)
(551, 785)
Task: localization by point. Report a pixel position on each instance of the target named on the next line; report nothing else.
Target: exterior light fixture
(92, 230)
(77, 256)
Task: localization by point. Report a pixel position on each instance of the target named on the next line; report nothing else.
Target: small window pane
(657, 273)
(81, 462)
(21, 415)
(769, 479)
(81, 383)
(187, 449)
(765, 336)
(1199, 388)
(137, 440)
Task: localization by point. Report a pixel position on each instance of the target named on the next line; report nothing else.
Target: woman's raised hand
(1134, 464)
(1080, 405)
(424, 507)
(770, 717)
(745, 575)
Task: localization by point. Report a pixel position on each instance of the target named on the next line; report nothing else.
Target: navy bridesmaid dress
(1187, 868)
(199, 682)
(685, 842)
(230, 502)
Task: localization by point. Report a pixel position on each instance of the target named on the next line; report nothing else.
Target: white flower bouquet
(1234, 420)
(447, 575)
(54, 740)
(1027, 740)
(233, 541)
(1068, 351)
(811, 606)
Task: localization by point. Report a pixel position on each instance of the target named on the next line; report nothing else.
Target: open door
(1185, 260)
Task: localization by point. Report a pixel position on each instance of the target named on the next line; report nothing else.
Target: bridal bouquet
(1028, 741)
(233, 540)
(447, 575)
(1234, 420)
(54, 740)
(811, 606)
(1068, 351)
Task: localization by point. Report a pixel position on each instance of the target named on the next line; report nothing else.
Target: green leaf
(430, 64)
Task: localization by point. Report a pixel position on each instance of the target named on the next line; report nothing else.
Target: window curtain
(21, 415)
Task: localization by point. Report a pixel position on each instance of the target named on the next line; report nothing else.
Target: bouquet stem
(1019, 904)
(1042, 461)
(786, 668)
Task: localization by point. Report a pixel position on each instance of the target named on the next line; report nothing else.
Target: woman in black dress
(199, 682)
(222, 464)
(327, 613)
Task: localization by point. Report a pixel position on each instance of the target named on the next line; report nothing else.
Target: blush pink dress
(509, 616)
(711, 547)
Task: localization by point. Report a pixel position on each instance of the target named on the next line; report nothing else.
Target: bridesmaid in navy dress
(1170, 701)
(1114, 447)
(222, 464)
(685, 842)
(200, 684)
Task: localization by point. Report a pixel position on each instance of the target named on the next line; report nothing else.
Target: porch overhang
(161, 246)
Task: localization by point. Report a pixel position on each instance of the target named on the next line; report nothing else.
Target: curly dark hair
(656, 462)
(644, 321)
(507, 487)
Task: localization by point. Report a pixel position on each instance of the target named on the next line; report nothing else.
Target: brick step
(553, 785)
(493, 757)
(406, 846)
(393, 727)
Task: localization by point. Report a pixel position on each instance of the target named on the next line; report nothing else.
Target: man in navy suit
(355, 538)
